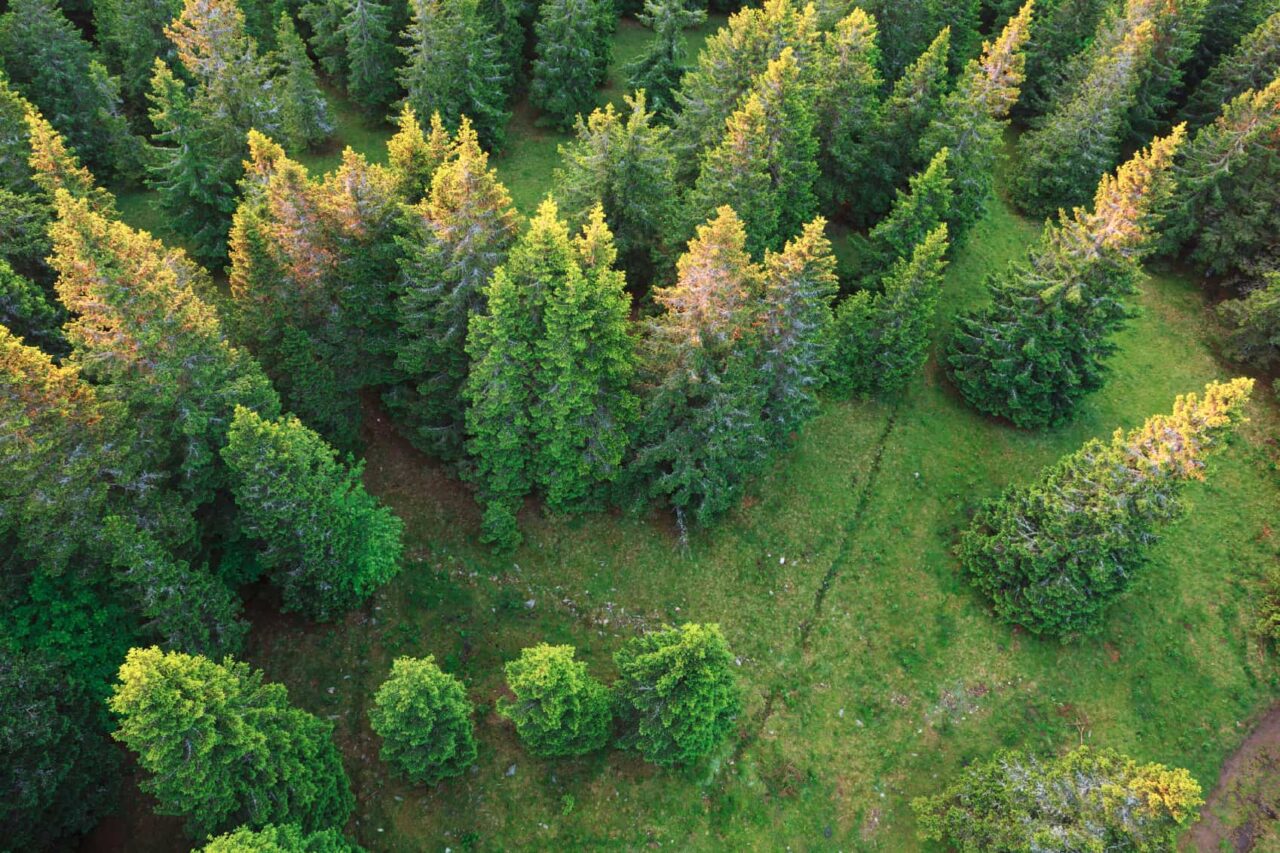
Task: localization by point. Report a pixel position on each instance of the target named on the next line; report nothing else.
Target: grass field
(871, 671)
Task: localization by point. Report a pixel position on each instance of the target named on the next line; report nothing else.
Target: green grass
(854, 705)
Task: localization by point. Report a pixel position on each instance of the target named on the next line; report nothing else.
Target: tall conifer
(847, 107)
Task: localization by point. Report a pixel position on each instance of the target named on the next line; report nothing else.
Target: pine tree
(215, 48)
(559, 709)
(285, 838)
(624, 164)
(882, 340)
(370, 54)
(55, 168)
(456, 238)
(765, 168)
(259, 760)
(702, 432)
(658, 70)
(511, 22)
(455, 67)
(1252, 64)
(847, 106)
(413, 156)
(327, 543)
(25, 208)
(1224, 25)
(1053, 555)
(917, 212)
(1088, 799)
(908, 26)
(1253, 324)
(28, 313)
(1226, 212)
(131, 33)
(304, 113)
(1080, 141)
(973, 118)
(1061, 30)
(572, 57)
(677, 693)
(423, 716)
(1041, 346)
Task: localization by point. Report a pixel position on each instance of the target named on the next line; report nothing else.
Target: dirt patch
(1247, 796)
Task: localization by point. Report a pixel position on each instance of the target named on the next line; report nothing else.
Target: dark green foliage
(1062, 29)
(423, 716)
(223, 748)
(908, 26)
(26, 209)
(559, 709)
(658, 70)
(677, 693)
(26, 311)
(847, 107)
(1051, 556)
(455, 67)
(285, 838)
(51, 64)
(1088, 799)
(1225, 25)
(1040, 347)
(1254, 325)
(56, 768)
(304, 112)
(1252, 64)
(131, 34)
(367, 56)
(915, 213)
(326, 542)
(882, 340)
(573, 45)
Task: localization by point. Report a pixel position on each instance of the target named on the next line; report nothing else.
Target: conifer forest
(696, 425)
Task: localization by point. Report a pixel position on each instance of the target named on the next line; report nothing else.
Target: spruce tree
(1051, 556)
(26, 209)
(413, 157)
(1040, 347)
(284, 838)
(973, 118)
(702, 432)
(847, 107)
(259, 760)
(916, 212)
(624, 164)
(304, 112)
(658, 70)
(1253, 324)
(456, 238)
(54, 168)
(369, 51)
(28, 313)
(423, 716)
(908, 26)
(1060, 31)
(1224, 25)
(572, 57)
(559, 709)
(326, 541)
(1251, 65)
(131, 34)
(676, 693)
(455, 67)
(882, 340)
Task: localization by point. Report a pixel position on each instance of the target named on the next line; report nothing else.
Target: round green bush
(423, 716)
(559, 709)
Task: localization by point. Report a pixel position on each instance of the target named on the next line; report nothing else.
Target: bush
(423, 716)
(1269, 608)
(559, 708)
(286, 838)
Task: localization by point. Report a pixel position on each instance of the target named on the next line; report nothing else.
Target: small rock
(826, 832)
(332, 690)
(529, 604)
(782, 561)
(511, 771)
(840, 713)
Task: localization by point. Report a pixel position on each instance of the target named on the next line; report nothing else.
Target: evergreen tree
(1040, 347)
(50, 63)
(413, 156)
(27, 312)
(847, 106)
(1053, 555)
(882, 340)
(799, 286)
(573, 44)
(215, 48)
(1226, 212)
(1061, 30)
(304, 112)
(1224, 25)
(131, 34)
(370, 54)
(327, 542)
(1254, 325)
(1087, 799)
(658, 70)
(765, 168)
(456, 238)
(558, 709)
(55, 168)
(1252, 64)
(223, 748)
(25, 208)
(284, 838)
(972, 121)
(926, 204)
(677, 694)
(455, 67)
(908, 26)
(624, 164)
(702, 432)
(423, 716)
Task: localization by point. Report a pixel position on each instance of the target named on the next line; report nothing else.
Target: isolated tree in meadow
(657, 71)
(847, 106)
(973, 118)
(131, 35)
(423, 716)
(676, 693)
(559, 708)
(702, 432)
(325, 541)
(1251, 65)
(799, 285)
(923, 207)
(223, 748)
(304, 112)
(47, 59)
(454, 66)
(456, 238)
(1225, 212)
(765, 167)
(1087, 799)
(882, 339)
(1051, 556)
(29, 314)
(573, 44)
(1041, 345)
(624, 163)
(283, 838)
(413, 156)
(1253, 324)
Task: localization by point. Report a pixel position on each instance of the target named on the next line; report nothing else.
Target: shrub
(423, 716)
(559, 708)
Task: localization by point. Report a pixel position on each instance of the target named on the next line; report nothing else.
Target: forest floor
(871, 671)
